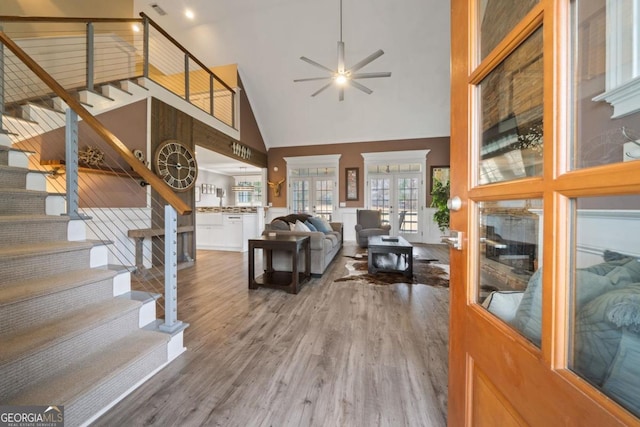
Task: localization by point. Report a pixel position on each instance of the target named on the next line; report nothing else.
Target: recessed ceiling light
(189, 14)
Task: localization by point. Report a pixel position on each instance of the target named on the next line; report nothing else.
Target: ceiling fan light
(341, 79)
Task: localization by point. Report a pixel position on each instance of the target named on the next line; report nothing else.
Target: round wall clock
(176, 165)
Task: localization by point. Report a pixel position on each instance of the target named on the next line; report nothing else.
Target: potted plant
(439, 197)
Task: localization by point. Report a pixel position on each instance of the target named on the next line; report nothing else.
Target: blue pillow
(321, 224)
(311, 226)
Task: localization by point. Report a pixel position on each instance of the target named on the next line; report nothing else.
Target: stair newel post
(145, 47)
(90, 56)
(71, 163)
(171, 322)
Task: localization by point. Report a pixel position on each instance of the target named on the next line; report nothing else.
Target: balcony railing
(84, 53)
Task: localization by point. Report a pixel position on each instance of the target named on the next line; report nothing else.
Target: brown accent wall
(351, 156)
(129, 125)
(250, 134)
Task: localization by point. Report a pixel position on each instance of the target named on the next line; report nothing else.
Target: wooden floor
(336, 354)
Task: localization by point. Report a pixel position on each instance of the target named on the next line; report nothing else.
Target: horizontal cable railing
(98, 176)
(85, 53)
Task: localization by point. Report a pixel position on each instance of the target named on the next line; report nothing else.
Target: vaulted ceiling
(267, 37)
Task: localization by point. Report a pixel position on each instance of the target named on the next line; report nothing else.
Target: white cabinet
(225, 232)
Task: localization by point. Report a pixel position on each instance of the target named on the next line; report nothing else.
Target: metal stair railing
(84, 53)
(105, 185)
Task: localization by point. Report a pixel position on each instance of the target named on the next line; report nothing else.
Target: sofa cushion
(311, 226)
(332, 238)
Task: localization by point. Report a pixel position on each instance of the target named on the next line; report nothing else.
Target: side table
(283, 280)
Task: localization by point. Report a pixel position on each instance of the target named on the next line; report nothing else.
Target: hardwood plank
(337, 353)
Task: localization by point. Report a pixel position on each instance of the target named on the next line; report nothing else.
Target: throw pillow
(278, 224)
(321, 224)
(299, 226)
(311, 226)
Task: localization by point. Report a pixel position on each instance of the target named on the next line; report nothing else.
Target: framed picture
(351, 183)
(439, 173)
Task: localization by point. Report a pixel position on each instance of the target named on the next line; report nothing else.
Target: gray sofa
(324, 246)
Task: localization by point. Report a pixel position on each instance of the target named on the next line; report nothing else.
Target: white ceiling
(267, 37)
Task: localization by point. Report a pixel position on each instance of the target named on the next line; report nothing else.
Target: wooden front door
(543, 158)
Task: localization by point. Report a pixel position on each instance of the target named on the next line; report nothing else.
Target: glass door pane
(511, 106)
(300, 196)
(380, 197)
(323, 197)
(408, 193)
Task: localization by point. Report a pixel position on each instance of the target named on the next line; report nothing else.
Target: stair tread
(33, 218)
(14, 169)
(45, 107)
(96, 369)
(22, 191)
(43, 248)
(24, 343)
(34, 288)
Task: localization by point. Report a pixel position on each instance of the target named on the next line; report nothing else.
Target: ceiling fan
(341, 76)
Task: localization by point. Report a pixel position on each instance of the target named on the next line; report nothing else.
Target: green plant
(439, 197)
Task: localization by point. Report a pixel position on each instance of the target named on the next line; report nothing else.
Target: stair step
(10, 156)
(24, 262)
(13, 177)
(31, 355)
(23, 229)
(47, 117)
(87, 386)
(27, 303)
(21, 202)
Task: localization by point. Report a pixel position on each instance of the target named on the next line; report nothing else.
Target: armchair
(369, 223)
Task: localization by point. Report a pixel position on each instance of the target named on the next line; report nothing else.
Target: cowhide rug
(424, 272)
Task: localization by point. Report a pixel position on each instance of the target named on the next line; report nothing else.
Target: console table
(283, 280)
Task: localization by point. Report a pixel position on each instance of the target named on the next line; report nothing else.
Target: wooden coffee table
(284, 280)
(384, 245)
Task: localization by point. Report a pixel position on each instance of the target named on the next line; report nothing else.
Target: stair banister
(171, 322)
(114, 142)
(71, 162)
(188, 55)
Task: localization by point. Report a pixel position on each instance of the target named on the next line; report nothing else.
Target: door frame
(483, 351)
(320, 161)
(399, 157)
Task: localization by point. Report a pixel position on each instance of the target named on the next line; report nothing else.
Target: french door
(398, 197)
(544, 145)
(314, 196)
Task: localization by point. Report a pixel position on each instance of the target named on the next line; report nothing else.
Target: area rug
(425, 272)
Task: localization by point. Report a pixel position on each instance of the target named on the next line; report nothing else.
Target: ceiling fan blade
(370, 75)
(361, 87)
(312, 79)
(340, 57)
(365, 61)
(321, 89)
(341, 94)
(314, 63)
